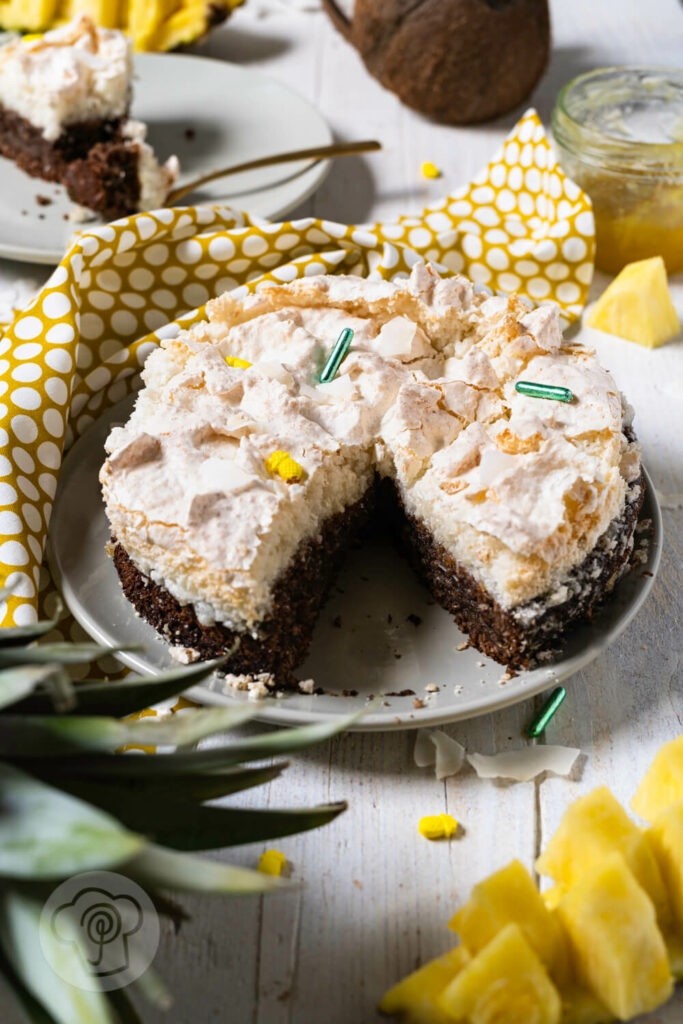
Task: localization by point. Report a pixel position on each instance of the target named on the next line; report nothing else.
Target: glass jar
(619, 135)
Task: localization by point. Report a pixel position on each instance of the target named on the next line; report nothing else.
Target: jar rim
(594, 145)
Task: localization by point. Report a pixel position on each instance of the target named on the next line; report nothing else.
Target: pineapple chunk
(594, 826)
(105, 13)
(580, 1006)
(505, 982)
(415, 997)
(665, 838)
(28, 15)
(663, 782)
(511, 896)
(637, 305)
(618, 949)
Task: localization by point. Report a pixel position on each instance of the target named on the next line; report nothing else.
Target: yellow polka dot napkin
(78, 347)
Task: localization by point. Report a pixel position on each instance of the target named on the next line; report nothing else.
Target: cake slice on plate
(239, 480)
(64, 102)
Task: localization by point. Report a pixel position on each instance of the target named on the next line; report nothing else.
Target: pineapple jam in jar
(619, 135)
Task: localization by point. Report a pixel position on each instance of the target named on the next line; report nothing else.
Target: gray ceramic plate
(211, 114)
(364, 642)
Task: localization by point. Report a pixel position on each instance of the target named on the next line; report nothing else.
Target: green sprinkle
(342, 346)
(527, 387)
(547, 712)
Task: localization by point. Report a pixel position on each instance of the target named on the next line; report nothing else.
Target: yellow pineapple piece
(415, 997)
(665, 839)
(192, 21)
(637, 305)
(145, 18)
(618, 949)
(594, 826)
(29, 15)
(662, 785)
(505, 983)
(510, 896)
(580, 1006)
(105, 13)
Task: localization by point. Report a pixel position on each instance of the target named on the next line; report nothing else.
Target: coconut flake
(525, 764)
(493, 464)
(275, 371)
(436, 748)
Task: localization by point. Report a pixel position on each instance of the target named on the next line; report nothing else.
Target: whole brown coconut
(457, 61)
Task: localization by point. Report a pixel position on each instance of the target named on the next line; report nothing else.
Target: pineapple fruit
(507, 897)
(618, 949)
(662, 785)
(594, 826)
(416, 997)
(605, 942)
(153, 24)
(637, 305)
(665, 839)
(506, 983)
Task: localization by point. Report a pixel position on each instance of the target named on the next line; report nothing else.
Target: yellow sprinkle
(284, 465)
(272, 862)
(31, 37)
(429, 170)
(438, 826)
(242, 364)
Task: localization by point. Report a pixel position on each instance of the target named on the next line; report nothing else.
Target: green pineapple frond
(74, 800)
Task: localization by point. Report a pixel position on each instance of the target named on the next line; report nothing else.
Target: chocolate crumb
(386, 704)
(415, 619)
(189, 134)
(390, 619)
(648, 573)
(43, 201)
(400, 693)
(398, 656)
(41, 216)
(349, 693)
(417, 703)
(365, 579)
(337, 621)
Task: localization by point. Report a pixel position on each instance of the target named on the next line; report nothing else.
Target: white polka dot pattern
(521, 225)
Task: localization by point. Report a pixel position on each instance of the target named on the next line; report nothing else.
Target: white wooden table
(376, 896)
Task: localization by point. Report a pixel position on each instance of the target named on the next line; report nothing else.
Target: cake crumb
(481, 664)
(417, 703)
(258, 686)
(358, 884)
(185, 655)
(400, 693)
(43, 200)
(349, 693)
(463, 646)
(458, 688)
(432, 688)
(307, 685)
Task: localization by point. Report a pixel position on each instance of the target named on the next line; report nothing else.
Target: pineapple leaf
(152, 987)
(33, 1011)
(45, 833)
(16, 683)
(58, 654)
(25, 634)
(165, 869)
(126, 1012)
(36, 735)
(183, 825)
(123, 696)
(23, 942)
(183, 762)
(192, 788)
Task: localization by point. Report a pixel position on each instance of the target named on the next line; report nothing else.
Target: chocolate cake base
(26, 145)
(299, 594)
(512, 638)
(106, 180)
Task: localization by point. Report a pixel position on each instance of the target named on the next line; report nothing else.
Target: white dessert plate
(211, 114)
(379, 633)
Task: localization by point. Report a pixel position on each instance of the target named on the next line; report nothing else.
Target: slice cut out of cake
(64, 104)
